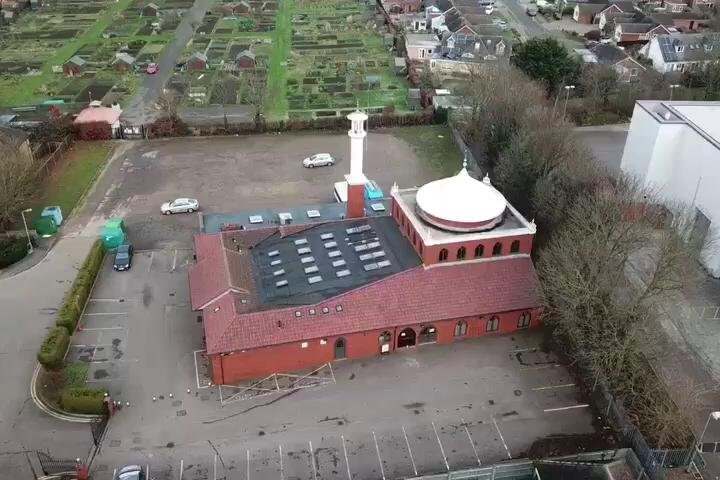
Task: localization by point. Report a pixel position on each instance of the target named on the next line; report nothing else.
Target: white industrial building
(674, 148)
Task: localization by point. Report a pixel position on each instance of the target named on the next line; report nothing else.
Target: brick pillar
(356, 201)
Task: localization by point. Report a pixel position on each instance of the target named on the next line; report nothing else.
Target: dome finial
(465, 160)
(486, 179)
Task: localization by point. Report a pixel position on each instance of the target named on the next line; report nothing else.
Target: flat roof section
(329, 259)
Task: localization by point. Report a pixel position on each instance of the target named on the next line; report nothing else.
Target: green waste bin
(45, 226)
(113, 234)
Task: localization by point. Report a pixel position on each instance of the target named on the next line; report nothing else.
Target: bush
(82, 400)
(52, 351)
(12, 249)
(75, 299)
(75, 374)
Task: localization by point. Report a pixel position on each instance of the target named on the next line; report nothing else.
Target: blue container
(53, 212)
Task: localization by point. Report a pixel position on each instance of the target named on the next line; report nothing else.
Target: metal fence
(524, 470)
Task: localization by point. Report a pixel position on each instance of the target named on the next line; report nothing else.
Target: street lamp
(672, 88)
(27, 232)
(567, 96)
(714, 416)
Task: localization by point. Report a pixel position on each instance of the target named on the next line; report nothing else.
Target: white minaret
(357, 136)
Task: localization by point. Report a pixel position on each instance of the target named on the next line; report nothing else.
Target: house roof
(668, 18)
(636, 27)
(12, 136)
(694, 47)
(624, 6)
(421, 40)
(245, 53)
(98, 114)
(153, 6)
(591, 8)
(607, 54)
(124, 57)
(199, 56)
(413, 296)
(76, 60)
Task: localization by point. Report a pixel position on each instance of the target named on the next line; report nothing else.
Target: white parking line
(551, 387)
(520, 350)
(472, 444)
(542, 367)
(347, 463)
(151, 260)
(312, 459)
(174, 261)
(282, 471)
(182, 467)
(377, 449)
(247, 475)
(442, 450)
(110, 300)
(582, 405)
(98, 329)
(215, 467)
(507, 450)
(98, 314)
(412, 460)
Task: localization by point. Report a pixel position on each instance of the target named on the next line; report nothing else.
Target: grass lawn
(72, 176)
(434, 145)
(276, 103)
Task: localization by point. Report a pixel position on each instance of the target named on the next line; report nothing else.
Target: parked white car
(180, 205)
(318, 160)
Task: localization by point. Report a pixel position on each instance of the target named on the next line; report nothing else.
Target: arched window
(461, 253)
(524, 320)
(443, 255)
(497, 249)
(479, 250)
(493, 324)
(515, 246)
(428, 334)
(461, 328)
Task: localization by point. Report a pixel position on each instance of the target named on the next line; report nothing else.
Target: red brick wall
(289, 357)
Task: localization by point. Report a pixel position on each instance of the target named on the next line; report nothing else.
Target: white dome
(461, 203)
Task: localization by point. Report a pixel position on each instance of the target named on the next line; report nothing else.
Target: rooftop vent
(312, 269)
(307, 259)
(300, 241)
(255, 219)
(377, 207)
(330, 244)
(275, 262)
(334, 253)
(327, 236)
(384, 263)
(372, 245)
(274, 253)
(281, 283)
(313, 214)
(315, 279)
(360, 229)
(370, 266)
(277, 273)
(303, 251)
(338, 263)
(361, 248)
(285, 218)
(342, 273)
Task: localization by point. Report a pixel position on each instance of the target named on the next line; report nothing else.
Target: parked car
(318, 160)
(489, 9)
(130, 472)
(152, 69)
(123, 258)
(180, 205)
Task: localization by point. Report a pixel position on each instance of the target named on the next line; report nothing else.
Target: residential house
(627, 68)
(622, 8)
(123, 62)
(74, 66)
(245, 59)
(98, 123)
(415, 22)
(585, 12)
(683, 51)
(673, 148)
(675, 6)
(686, 22)
(701, 3)
(401, 6)
(421, 46)
(197, 61)
(634, 33)
(463, 50)
(151, 10)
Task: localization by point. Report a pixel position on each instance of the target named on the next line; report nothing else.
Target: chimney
(356, 179)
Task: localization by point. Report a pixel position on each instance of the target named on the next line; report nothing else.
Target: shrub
(75, 374)
(52, 351)
(12, 249)
(82, 400)
(75, 299)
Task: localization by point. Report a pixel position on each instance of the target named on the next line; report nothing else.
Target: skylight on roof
(281, 283)
(370, 266)
(360, 229)
(255, 219)
(315, 279)
(342, 273)
(274, 253)
(307, 259)
(372, 245)
(277, 273)
(327, 236)
(311, 269)
(338, 263)
(384, 263)
(366, 256)
(300, 241)
(313, 213)
(275, 262)
(303, 250)
(378, 207)
(334, 253)
(361, 248)
(378, 254)
(330, 244)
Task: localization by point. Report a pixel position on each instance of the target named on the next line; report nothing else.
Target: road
(526, 25)
(141, 107)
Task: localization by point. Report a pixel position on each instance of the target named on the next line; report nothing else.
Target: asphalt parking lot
(234, 174)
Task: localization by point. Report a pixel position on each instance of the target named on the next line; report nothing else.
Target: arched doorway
(406, 338)
(428, 334)
(340, 349)
(385, 341)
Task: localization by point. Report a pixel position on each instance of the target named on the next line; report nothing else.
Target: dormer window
(679, 48)
(708, 47)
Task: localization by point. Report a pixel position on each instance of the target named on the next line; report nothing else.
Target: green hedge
(52, 351)
(12, 249)
(75, 299)
(82, 400)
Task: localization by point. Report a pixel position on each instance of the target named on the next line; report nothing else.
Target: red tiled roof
(418, 295)
(98, 114)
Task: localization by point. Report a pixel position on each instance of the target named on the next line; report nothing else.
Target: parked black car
(123, 258)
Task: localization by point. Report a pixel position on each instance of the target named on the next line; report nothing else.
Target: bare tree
(167, 103)
(254, 92)
(18, 181)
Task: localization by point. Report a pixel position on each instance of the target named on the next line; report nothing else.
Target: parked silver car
(318, 160)
(180, 205)
(130, 472)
